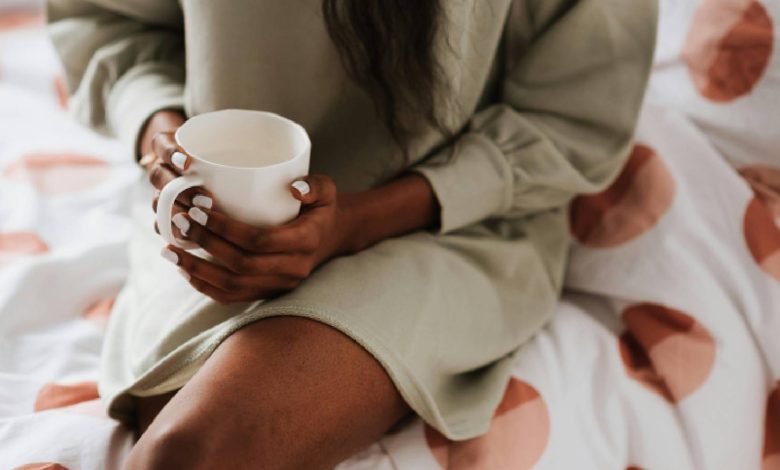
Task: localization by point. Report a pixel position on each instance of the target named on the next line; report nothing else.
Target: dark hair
(389, 48)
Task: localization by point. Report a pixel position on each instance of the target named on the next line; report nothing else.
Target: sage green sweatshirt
(547, 94)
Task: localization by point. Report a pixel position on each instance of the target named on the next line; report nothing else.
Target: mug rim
(306, 149)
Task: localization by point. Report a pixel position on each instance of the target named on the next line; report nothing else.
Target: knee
(168, 447)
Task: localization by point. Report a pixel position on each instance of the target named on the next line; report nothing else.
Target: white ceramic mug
(247, 160)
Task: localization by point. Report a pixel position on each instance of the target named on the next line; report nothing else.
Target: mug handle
(165, 203)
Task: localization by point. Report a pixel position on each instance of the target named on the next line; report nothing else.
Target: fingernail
(198, 215)
(180, 221)
(179, 160)
(184, 274)
(170, 255)
(302, 187)
(202, 201)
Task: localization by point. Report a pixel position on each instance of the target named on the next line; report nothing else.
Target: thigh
(284, 392)
(147, 408)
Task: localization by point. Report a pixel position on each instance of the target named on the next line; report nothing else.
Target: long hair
(389, 48)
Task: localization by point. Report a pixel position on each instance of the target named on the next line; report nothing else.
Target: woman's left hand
(261, 262)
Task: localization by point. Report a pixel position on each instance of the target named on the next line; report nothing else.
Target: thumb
(314, 190)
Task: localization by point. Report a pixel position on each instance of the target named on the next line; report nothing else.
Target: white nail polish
(185, 274)
(198, 215)
(202, 201)
(170, 255)
(181, 222)
(302, 187)
(178, 159)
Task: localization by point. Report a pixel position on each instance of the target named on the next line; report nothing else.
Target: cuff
(471, 181)
(141, 92)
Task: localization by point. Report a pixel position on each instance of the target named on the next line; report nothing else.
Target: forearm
(404, 205)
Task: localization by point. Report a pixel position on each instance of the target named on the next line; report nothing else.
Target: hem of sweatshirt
(162, 378)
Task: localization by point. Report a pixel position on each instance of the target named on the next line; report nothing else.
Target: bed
(664, 352)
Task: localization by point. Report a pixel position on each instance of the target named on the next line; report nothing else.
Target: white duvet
(664, 353)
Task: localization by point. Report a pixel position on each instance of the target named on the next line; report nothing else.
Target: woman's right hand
(161, 122)
(164, 160)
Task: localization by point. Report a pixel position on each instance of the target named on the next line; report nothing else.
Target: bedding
(664, 352)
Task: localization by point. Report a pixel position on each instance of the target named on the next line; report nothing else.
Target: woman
(448, 138)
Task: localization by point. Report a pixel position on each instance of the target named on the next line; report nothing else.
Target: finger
(238, 260)
(161, 174)
(148, 160)
(295, 237)
(212, 273)
(176, 256)
(314, 190)
(165, 147)
(209, 290)
(223, 279)
(177, 209)
(223, 297)
(155, 199)
(230, 255)
(182, 202)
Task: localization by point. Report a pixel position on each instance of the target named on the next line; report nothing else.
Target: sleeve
(568, 107)
(123, 61)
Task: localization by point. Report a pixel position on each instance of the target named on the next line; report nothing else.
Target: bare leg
(284, 392)
(147, 409)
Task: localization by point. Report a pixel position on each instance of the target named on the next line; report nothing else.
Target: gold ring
(148, 159)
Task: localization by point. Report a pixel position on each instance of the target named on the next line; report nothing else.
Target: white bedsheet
(664, 353)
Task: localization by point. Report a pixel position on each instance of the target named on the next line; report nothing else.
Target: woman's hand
(166, 120)
(164, 160)
(252, 263)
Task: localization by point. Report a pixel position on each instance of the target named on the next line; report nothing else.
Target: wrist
(350, 236)
(399, 207)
